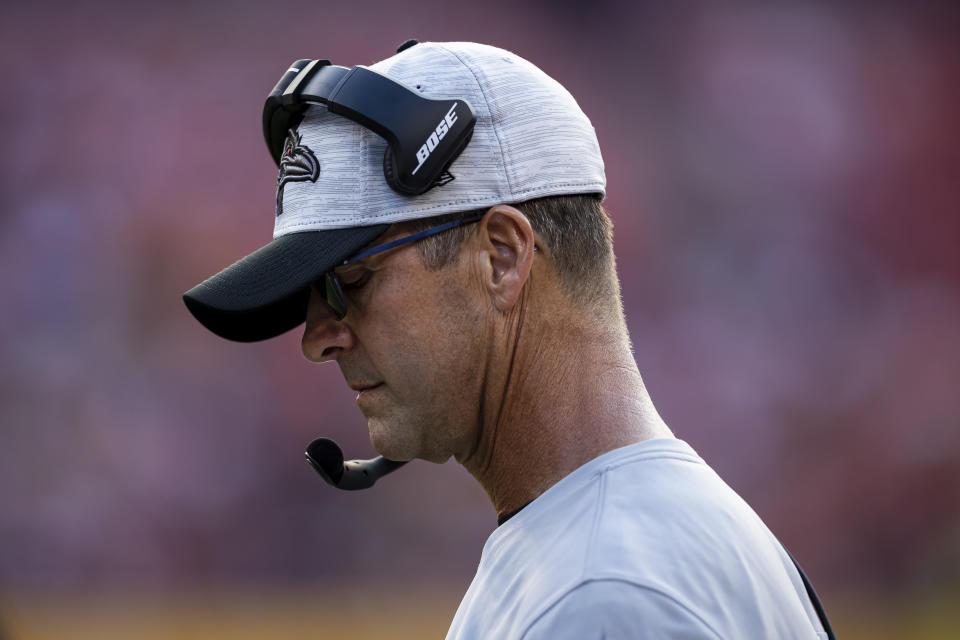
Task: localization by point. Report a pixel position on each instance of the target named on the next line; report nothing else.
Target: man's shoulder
(666, 508)
(645, 535)
(671, 524)
(616, 516)
(645, 529)
(571, 537)
(574, 526)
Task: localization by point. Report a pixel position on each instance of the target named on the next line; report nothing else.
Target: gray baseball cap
(530, 140)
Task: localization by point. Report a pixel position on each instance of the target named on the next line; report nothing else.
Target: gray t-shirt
(645, 541)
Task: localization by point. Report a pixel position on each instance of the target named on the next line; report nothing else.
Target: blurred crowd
(783, 180)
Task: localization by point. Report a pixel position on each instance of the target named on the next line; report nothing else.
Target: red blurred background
(784, 180)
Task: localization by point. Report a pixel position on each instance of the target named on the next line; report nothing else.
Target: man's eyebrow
(350, 267)
(370, 263)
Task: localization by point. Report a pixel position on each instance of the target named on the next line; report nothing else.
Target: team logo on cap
(297, 164)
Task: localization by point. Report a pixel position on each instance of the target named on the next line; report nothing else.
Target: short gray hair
(576, 229)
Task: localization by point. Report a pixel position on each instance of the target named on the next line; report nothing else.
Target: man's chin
(386, 442)
(402, 440)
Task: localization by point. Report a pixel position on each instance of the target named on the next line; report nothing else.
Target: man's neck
(564, 395)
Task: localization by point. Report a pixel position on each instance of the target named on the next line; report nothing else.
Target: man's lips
(364, 386)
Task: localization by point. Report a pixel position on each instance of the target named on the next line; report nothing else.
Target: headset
(424, 136)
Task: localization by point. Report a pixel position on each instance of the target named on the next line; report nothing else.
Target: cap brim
(266, 293)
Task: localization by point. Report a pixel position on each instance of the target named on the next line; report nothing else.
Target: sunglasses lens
(334, 295)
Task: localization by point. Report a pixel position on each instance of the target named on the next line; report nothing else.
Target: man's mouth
(365, 392)
(365, 386)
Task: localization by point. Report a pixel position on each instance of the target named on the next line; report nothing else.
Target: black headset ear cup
(390, 169)
(392, 175)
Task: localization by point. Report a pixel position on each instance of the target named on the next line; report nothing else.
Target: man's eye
(355, 280)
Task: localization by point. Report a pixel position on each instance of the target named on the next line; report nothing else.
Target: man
(478, 315)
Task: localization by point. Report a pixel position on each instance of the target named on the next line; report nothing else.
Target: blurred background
(784, 180)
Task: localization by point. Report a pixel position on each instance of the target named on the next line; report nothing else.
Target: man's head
(430, 318)
(430, 329)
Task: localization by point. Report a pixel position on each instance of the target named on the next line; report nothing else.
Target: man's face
(412, 345)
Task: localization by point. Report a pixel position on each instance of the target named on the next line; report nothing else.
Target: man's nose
(324, 336)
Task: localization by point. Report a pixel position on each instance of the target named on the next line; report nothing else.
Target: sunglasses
(333, 291)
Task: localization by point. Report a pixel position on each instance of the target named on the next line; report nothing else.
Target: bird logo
(297, 164)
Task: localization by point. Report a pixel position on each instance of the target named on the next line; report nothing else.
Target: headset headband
(424, 136)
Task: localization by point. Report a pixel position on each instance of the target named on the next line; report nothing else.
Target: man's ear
(507, 246)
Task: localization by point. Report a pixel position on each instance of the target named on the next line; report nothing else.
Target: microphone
(326, 458)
